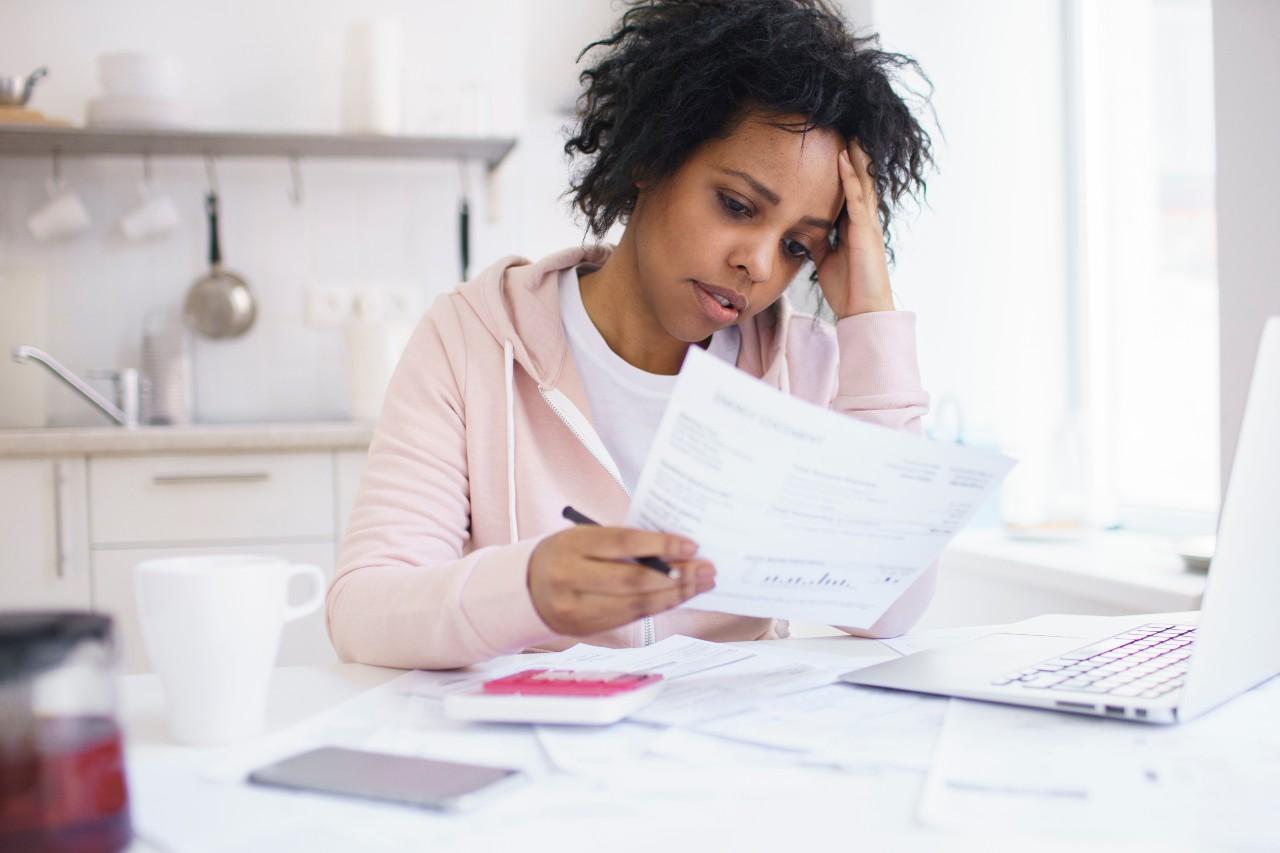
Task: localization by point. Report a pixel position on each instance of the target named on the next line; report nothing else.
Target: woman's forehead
(796, 167)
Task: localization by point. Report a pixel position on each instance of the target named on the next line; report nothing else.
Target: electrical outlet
(370, 304)
(402, 304)
(328, 305)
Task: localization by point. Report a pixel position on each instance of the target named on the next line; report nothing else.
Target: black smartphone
(422, 782)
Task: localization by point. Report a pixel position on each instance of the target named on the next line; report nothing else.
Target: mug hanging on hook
(155, 213)
(64, 214)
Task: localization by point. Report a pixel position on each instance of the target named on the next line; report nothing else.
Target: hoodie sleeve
(878, 375)
(406, 592)
(877, 379)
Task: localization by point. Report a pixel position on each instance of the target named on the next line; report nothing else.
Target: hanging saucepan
(219, 304)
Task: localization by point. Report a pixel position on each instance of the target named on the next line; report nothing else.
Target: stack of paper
(808, 514)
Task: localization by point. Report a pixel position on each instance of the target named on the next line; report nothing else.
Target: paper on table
(843, 725)
(937, 638)
(808, 514)
(731, 688)
(741, 685)
(588, 750)
(1203, 783)
(673, 657)
(693, 747)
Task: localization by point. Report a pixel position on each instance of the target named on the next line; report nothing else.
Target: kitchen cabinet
(80, 508)
(211, 497)
(44, 540)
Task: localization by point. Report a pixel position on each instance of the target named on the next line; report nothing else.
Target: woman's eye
(734, 206)
(797, 249)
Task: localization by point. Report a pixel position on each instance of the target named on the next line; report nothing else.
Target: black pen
(649, 562)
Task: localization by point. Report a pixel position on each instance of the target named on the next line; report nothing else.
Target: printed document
(1207, 784)
(807, 513)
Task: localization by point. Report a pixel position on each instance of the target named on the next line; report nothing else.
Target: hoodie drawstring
(508, 357)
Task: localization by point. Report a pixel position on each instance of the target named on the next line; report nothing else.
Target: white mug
(212, 626)
(63, 215)
(155, 214)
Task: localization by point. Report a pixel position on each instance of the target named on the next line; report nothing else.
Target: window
(1063, 268)
(1143, 366)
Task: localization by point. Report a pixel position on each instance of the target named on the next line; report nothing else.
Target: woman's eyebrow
(773, 198)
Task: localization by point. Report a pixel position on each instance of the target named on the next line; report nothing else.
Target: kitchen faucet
(124, 411)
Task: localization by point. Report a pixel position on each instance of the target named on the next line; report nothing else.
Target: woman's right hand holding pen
(582, 582)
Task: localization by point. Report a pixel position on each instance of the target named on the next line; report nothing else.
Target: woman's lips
(717, 313)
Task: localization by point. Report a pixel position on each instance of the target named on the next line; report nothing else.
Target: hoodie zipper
(648, 634)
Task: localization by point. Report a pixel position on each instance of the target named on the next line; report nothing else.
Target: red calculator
(581, 697)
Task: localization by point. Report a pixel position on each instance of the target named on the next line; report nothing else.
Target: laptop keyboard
(1146, 662)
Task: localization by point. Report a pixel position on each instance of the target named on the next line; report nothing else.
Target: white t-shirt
(626, 402)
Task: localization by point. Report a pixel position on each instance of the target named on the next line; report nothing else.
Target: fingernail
(706, 573)
(688, 548)
(705, 586)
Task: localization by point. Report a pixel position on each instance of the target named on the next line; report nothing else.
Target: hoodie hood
(518, 302)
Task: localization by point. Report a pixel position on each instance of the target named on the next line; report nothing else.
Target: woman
(738, 140)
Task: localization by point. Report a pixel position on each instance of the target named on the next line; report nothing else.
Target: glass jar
(62, 776)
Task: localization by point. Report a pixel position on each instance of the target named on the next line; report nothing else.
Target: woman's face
(739, 219)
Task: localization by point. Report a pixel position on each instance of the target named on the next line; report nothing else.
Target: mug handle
(297, 611)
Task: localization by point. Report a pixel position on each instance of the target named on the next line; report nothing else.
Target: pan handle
(211, 207)
(464, 237)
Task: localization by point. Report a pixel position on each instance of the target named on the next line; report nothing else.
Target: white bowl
(123, 111)
(140, 74)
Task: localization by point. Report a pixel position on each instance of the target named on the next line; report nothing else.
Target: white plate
(125, 111)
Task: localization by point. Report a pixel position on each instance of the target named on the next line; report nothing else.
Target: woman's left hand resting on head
(854, 276)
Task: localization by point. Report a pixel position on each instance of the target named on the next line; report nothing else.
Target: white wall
(1246, 48)
(989, 244)
(276, 66)
(982, 264)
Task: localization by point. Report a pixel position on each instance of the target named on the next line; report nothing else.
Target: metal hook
(57, 168)
(295, 175)
(211, 170)
(463, 178)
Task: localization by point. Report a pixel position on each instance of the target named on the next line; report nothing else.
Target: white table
(689, 808)
(718, 822)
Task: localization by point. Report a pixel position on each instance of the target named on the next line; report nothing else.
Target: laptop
(1148, 670)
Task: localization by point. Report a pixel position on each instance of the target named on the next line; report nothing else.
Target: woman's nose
(754, 259)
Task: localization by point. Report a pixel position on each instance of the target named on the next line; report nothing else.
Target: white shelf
(77, 141)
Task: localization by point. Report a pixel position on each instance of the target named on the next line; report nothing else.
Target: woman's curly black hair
(676, 73)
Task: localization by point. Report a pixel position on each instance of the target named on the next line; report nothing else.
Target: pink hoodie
(485, 436)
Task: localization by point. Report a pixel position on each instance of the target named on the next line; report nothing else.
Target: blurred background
(1087, 270)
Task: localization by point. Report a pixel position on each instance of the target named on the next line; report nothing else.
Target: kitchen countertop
(51, 441)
